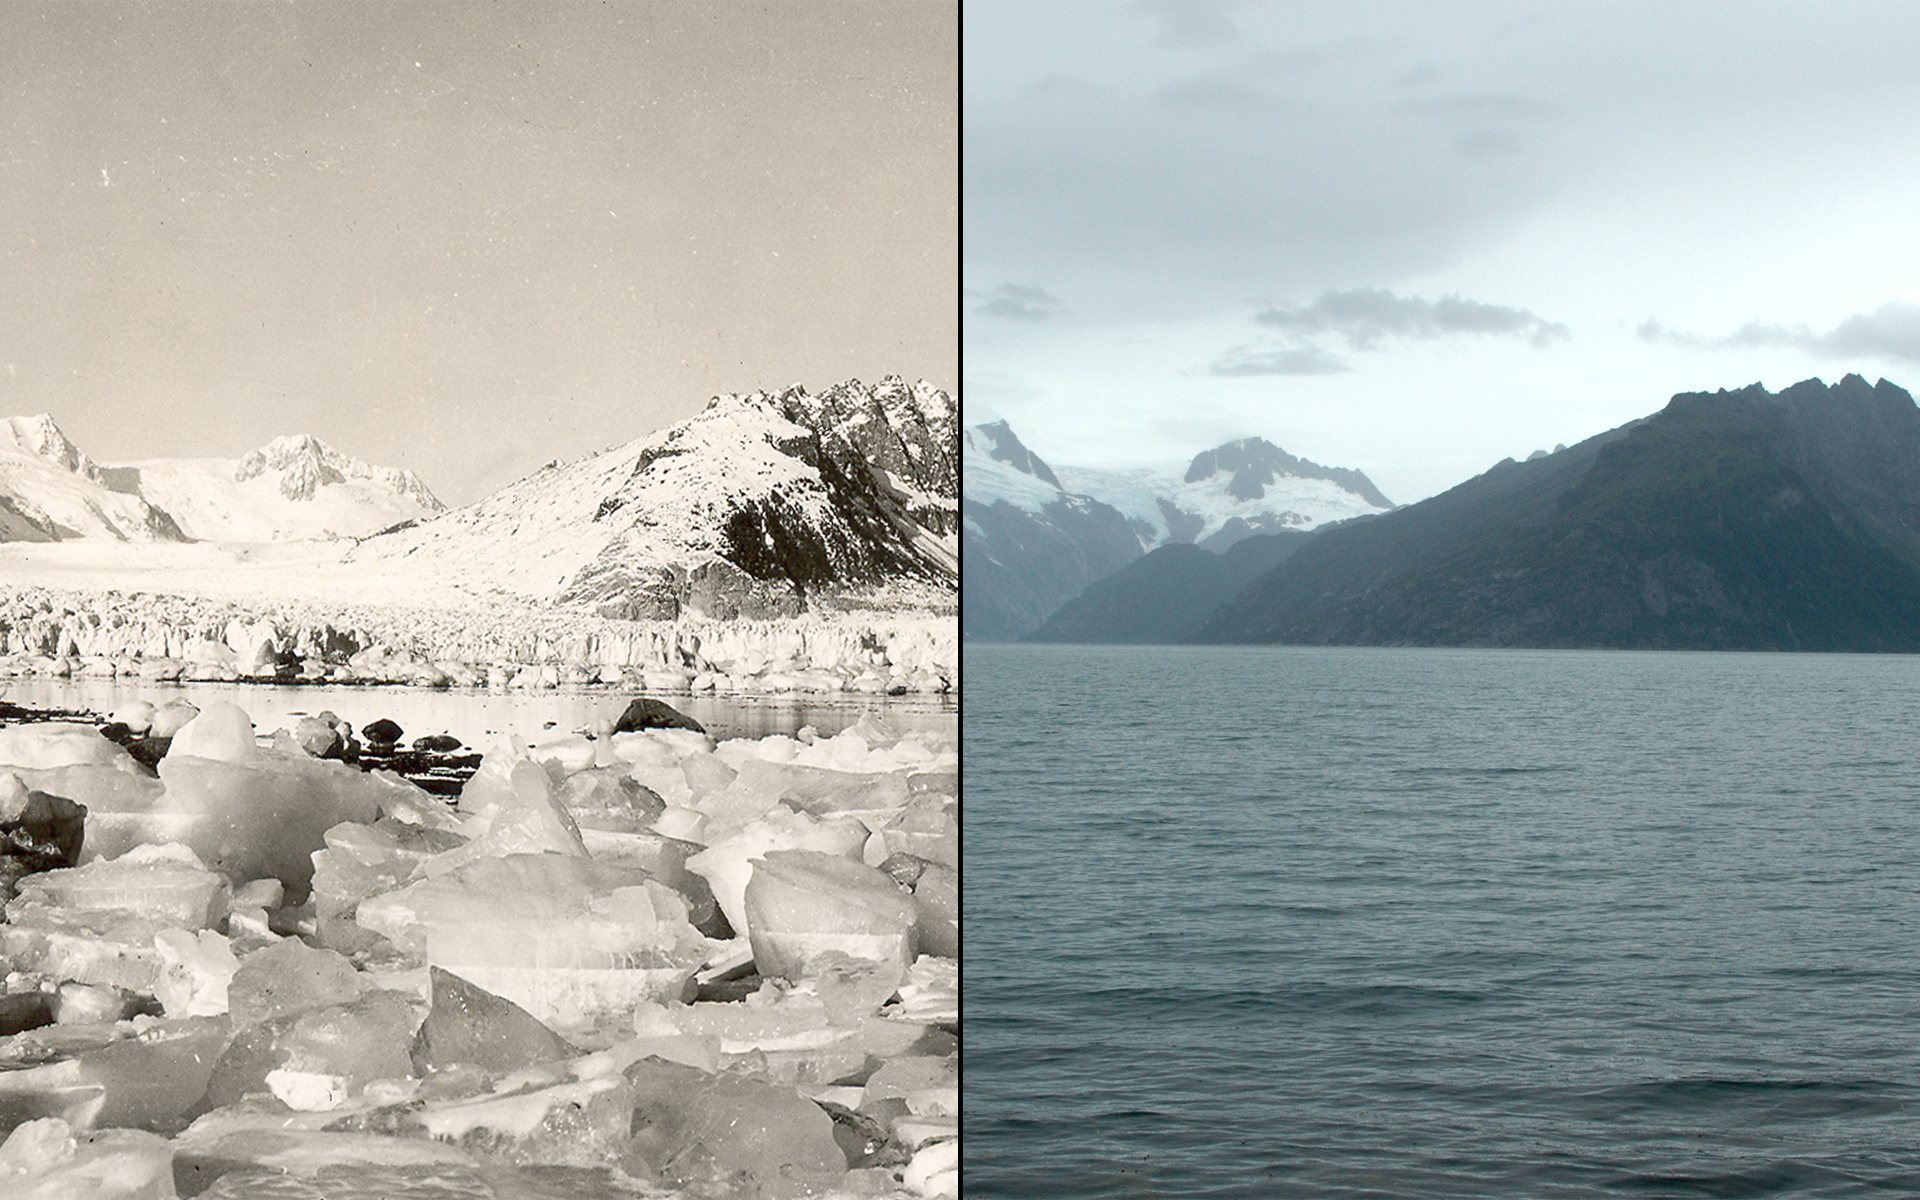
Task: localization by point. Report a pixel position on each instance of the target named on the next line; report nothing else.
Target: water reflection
(480, 717)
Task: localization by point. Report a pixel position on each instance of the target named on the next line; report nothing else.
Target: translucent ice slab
(147, 1081)
(259, 818)
(468, 1024)
(315, 1060)
(727, 863)
(568, 939)
(803, 904)
(47, 1160)
(165, 882)
(765, 1139)
(48, 745)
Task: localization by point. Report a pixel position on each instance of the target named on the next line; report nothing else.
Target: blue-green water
(1309, 922)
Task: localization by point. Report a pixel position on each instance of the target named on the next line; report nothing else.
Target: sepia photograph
(479, 600)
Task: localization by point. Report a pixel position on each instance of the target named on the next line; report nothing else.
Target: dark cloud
(1366, 316)
(1187, 24)
(1891, 331)
(1286, 360)
(1017, 302)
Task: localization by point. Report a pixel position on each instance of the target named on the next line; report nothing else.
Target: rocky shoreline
(159, 638)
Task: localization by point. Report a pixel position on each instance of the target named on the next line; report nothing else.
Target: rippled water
(481, 716)
(1307, 922)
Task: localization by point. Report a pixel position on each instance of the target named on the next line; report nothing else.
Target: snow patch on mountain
(291, 488)
(997, 468)
(1241, 488)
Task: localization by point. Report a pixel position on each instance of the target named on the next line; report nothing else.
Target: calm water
(480, 717)
(1302, 922)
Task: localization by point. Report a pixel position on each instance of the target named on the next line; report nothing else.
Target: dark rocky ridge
(1166, 595)
(1730, 520)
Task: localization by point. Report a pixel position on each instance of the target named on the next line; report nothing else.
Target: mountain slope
(50, 491)
(758, 506)
(1729, 520)
(1030, 544)
(1233, 491)
(1166, 595)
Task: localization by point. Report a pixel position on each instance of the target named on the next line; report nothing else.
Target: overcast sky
(1418, 238)
(465, 238)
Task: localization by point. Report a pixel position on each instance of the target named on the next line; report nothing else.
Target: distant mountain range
(1035, 539)
(1729, 520)
(291, 488)
(762, 505)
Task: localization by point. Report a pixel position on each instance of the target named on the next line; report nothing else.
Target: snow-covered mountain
(760, 505)
(1030, 544)
(291, 488)
(1231, 492)
(51, 492)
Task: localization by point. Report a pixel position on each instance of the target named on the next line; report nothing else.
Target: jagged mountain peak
(998, 442)
(41, 437)
(305, 464)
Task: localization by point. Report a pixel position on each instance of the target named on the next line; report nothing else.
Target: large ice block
(47, 745)
(368, 860)
(253, 819)
(222, 731)
(803, 904)
(47, 1160)
(727, 864)
(925, 829)
(568, 939)
(168, 883)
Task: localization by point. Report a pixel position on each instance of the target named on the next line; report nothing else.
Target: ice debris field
(641, 964)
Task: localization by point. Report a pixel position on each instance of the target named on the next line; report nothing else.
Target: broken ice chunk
(608, 798)
(260, 818)
(695, 1129)
(38, 832)
(321, 1056)
(196, 971)
(222, 731)
(468, 1024)
(290, 977)
(168, 883)
(47, 1160)
(925, 829)
(585, 1123)
(147, 1081)
(727, 863)
(802, 904)
(936, 898)
(935, 1169)
(523, 818)
(568, 939)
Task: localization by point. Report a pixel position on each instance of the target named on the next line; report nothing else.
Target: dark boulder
(382, 732)
(437, 743)
(652, 714)
(38, 832)
(148, 751)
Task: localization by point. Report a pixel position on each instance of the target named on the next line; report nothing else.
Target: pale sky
(1417, 238)
(465, 238)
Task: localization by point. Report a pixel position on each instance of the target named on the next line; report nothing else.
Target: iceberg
(804, 904)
